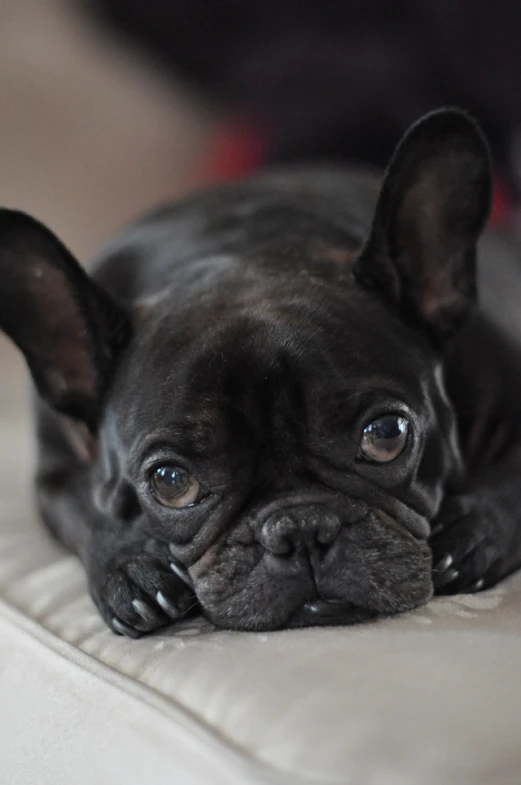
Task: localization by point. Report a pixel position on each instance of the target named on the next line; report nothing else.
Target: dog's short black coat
(240, 347)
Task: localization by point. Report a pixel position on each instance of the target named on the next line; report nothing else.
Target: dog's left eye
(173, 486)
(384, 439)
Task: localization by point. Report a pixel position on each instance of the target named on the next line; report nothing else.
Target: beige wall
(89, 135)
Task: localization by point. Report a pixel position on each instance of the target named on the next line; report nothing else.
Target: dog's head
(290, 437)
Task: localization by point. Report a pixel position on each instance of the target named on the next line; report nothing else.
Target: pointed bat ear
(433, 206)
(68, 328)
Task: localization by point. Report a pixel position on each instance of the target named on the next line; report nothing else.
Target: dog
(278, 401)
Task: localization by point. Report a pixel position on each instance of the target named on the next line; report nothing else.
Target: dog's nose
(289, 531)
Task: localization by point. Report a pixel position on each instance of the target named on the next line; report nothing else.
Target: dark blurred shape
(336, 79)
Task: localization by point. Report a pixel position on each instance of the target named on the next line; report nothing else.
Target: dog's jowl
(278, 400)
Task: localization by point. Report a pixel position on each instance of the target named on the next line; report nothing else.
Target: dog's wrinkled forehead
(285, 366)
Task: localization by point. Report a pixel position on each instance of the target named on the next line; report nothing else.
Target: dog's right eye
(384, 439)
(173, 486)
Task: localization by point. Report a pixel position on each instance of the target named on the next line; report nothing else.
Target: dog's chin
(298, 604)
(315, 613)
(329, 613)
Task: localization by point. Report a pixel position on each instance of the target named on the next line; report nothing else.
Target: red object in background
(503, 204)
(241, 148)
(237, 150)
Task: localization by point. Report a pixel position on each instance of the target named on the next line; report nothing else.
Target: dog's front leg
(71, 333)
(131, 577)
(476, 539)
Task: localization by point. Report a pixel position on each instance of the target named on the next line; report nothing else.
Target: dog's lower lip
(327, 607)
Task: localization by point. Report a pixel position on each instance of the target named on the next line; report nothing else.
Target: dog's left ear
(69, 329)
(433, 206)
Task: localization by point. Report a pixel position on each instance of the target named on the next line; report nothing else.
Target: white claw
(182, 573)
(444, 563)
(167, 605)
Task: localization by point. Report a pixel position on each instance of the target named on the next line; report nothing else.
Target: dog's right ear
(68, 328)
(433, 206)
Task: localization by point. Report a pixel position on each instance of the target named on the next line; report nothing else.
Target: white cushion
(429, 698)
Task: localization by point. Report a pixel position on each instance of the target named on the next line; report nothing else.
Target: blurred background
(90, 132)
(111, 106)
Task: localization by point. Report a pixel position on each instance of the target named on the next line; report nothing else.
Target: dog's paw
(139, 590)
(466, 547)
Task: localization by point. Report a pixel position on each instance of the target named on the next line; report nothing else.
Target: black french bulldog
(273, 394)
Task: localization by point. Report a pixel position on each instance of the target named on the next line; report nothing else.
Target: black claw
(444, 563)
(122, 629)
(447, 577)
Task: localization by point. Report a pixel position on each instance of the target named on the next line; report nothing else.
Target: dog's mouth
(327, 607)
(374, 569)
(329, 613)
(302, 563)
